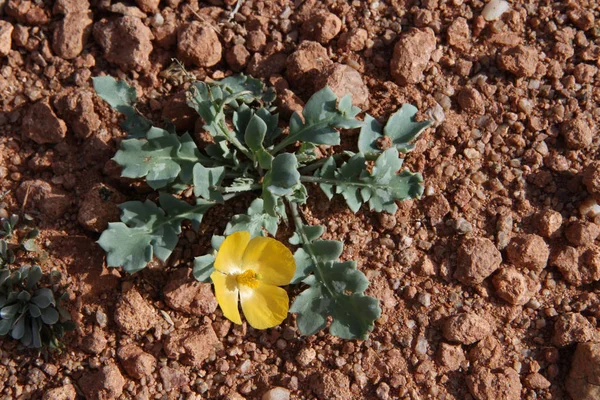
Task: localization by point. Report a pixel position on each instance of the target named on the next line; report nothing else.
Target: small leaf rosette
(251, 271)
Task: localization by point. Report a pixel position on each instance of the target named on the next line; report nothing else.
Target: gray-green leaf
(204, 267)
(321, 115)
(254, 221)
(205, 179)
(401, 128)
(162, 158)
(146, 231)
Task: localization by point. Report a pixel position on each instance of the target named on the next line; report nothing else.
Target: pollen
(248, 278)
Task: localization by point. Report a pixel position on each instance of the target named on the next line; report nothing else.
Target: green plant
(249, 155)
(8, 229)
(30, 313)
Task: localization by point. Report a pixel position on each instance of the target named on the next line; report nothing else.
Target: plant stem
(237, 189)
(233, 140)
(317, 164)
(306, 246)
(291, 138)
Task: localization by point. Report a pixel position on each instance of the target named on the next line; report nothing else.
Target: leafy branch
(336, 288)
(147, 230)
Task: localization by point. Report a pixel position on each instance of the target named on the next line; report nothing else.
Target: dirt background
(488, 284)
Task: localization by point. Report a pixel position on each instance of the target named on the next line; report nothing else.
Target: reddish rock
(65, 392)
(583, 382)
(305, 64)
(133, 314)
(514, 287)
(577, 133)
(411, 56)
(99, 207)
(343, 79)
(521, 61)
(582, 233)
(148, 6)
(459, 34)
(466, 328)
(528, 251)
(165, 35)
(582, 18)
(27, 12)
(288, 103)
(450, 357)
(71, 34)
(136, 362)
(577, 267)
(572, 328)
(536, 381)
(184, 293)
(487, 353)
(322, 27)
(256, 41)
(41, 124)
(95, 342)
(485, 384)
(50, 201)
(332, 385)
(436, 207)
(198, 44)
(104, 384)
(591, 179)
(126, 42)
(477, 258)
(173, 380)
(76, 107)
(353, 40)
(6, 30)
(237, 57)
(548, 223)
(264, 67)
(585, 73)
(70, 6)
(191, 347)
(471, 101)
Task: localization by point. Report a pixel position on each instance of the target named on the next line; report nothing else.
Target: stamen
(248, 278)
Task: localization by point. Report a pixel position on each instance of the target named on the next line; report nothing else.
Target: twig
(208, 21)
(235, 10)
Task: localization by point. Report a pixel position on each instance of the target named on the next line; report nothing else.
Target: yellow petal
(226, 291)
(229, 256)
(272, 260)
(265, 306)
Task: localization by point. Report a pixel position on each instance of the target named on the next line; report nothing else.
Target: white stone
(494, 9)
(589, 208)
(277, 393)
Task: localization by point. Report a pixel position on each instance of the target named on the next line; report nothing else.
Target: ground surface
(487, 284)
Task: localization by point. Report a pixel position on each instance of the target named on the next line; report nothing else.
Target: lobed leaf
(401, 128)
(122, 97)
(203, 267)
(283, 179)
(321, 116)
(147, 231)
(205, 179)
(161, 159)
(335, 289)
(256, 221)
(381, 187)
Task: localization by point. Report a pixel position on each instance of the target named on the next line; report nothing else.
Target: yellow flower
(252, 270)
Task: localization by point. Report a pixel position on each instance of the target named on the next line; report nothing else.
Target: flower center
(248, 278)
